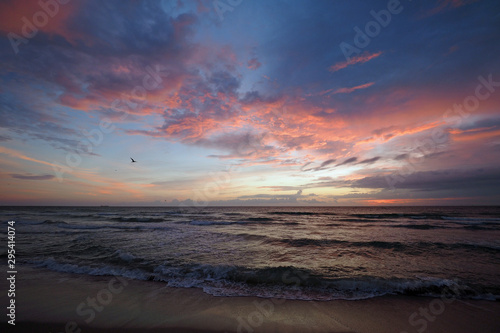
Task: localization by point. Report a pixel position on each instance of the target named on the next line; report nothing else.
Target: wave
(54, 265)
(52, 222)
(357, 220)
(472, 220)
(256, 220)
(137, 219)
(125, 256)
(487, 219)
(118, 227)
(302, 242)
(282, 282)
(414, 248)
(335, 225)
(203, 222)
(253, 237)
(299, 213)
(44, 222)
(478, 227)
(398, 216)
(418, 226)
(259, 219)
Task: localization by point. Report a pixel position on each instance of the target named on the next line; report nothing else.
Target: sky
(239, 102)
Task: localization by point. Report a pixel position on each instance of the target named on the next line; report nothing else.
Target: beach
(47, 301)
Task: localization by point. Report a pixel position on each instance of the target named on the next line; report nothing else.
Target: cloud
(346, 90)
(327, 162)
(253, 94)
(224, 82)
(32, 177)
(253, 64)
(383, 130)
(370, 160)
(32, 118)
(365, 57)
(12, 11)
(477, 129)
(239, 145)
(401, 157)
(480, 180)
(320, 167)
(445, 5)
(348, 161)
(292, 197)
(282, 188)
(257, 201)
(20, 155)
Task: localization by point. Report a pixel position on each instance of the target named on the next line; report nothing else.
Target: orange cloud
(365, 57)
(19, 155)
(402, 202)
(473, 135)
(395, 132)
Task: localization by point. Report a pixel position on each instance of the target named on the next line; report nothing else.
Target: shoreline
(64, 302)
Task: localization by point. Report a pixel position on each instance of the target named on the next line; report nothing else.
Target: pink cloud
(444, 5)
(365, 57)
(253, 64)
(351, 89)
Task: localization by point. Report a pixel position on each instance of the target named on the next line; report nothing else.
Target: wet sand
(58, 302)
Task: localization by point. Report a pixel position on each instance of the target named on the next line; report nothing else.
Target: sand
(58, 302)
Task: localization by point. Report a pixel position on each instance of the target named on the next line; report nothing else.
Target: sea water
(310, 253)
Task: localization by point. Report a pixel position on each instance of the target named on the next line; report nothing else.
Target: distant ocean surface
(294, 253)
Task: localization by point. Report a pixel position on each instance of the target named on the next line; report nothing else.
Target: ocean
(307, 253)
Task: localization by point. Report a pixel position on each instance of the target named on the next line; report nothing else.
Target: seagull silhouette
(133, 161)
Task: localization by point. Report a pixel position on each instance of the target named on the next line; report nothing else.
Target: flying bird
(133, 161)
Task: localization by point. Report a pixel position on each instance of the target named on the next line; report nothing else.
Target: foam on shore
(50, 300)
